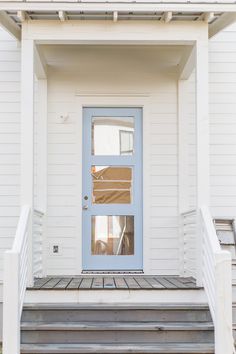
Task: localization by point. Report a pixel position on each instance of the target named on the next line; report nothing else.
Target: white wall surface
(222, 83)
(109, 71)
(128, 70)
(9, 141)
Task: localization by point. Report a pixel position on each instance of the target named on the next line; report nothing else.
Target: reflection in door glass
(112, 235)
(111, 184)
(112, 136)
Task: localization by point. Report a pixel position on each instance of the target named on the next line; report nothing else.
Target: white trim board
(118, 6)
(116, 296)
(115, 101)
(105, 32)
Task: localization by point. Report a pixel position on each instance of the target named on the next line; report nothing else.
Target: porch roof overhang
(218, 15)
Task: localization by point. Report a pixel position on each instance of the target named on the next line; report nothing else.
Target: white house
(117, 153)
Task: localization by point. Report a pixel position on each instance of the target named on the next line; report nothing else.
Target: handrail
(213, 271)
(217, 282)
(15, 282)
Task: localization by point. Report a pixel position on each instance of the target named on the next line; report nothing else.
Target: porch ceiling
(79, 58)
(217, 14)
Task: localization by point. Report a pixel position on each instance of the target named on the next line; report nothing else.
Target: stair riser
(51, 337)
(113, 316)
(146, 352)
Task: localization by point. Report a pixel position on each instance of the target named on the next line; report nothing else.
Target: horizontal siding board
(9, 141)
(223, 123)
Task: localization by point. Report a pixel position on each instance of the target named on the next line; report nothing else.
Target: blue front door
(112, 189)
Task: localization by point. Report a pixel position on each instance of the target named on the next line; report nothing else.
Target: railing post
(223, 304)
(199, 249)
(30, 275)
(11, 321)
(182, 245)
(27, 136)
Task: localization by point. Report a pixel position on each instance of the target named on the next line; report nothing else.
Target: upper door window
(112, 136)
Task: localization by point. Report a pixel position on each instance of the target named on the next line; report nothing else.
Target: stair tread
(109, 326)
(115, 306)
(119, 348)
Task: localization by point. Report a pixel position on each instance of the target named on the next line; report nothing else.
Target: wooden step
(115, 312)
(164, 348)
(115, 306)
(118, 326)
(117, 332)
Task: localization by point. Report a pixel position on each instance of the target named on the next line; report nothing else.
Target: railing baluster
(215, 267)
(37, 243)
(16, 276)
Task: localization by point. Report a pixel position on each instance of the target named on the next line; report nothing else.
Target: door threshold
(112, 272)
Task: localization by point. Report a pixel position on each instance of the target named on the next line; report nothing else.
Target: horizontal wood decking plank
(128, 282)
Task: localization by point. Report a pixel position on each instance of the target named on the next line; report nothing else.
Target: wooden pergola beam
(115, 16)
(167, 16)
(225, 20)
(22, 15)
(62, 15)
(206, 17)
(9, 25)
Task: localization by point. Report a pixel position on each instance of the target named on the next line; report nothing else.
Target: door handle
(85, 207)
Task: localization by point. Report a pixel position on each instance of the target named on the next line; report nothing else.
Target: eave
(218, 15)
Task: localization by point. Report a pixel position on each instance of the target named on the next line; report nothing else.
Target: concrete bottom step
(163, 348)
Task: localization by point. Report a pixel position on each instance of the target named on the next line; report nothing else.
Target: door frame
(133, 262)
(137, 100)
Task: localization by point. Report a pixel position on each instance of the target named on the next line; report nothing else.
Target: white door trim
(115, 100)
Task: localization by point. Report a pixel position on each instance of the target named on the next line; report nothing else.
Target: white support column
(183, 152)
(27, 135)
(202, 124)
(42, 146)
(202, 140)
(42, 161)
(183, 157)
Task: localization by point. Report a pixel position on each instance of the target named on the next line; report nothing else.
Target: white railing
(188, 243)
(38, 225)
(16, 268)
(213, 271)
(217, 281)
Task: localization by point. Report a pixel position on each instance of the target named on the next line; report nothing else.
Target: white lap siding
(222, 87)
(9, 141)
(64, 172)
(111, 74)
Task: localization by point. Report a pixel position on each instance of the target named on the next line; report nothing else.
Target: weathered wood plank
(143, 283)
(51, 283)
(74, 283)
(154, 283)
(115, 282)
(97, 283)
(166, 283)
(86, 283)
(176, 282)
(131, 282)
(109, 283)
(40, 282)
(120, 283)
(63, 283)
(188, 282)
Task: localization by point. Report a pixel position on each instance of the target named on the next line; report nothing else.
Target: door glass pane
(112, 235)
(112, 136)
(111, 184)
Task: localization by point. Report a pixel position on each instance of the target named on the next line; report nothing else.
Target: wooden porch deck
(127, 282)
